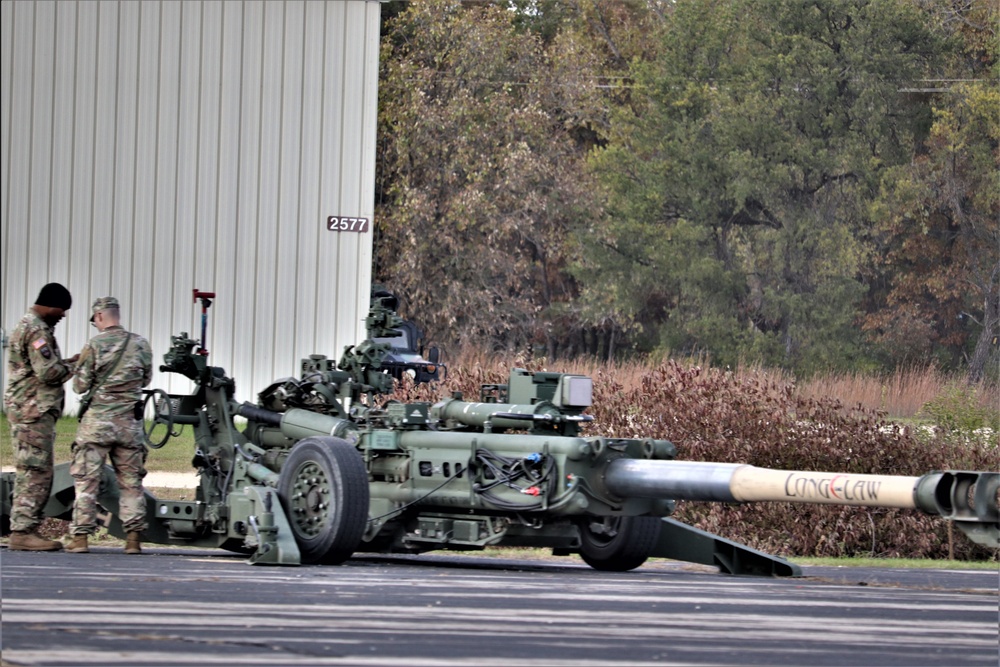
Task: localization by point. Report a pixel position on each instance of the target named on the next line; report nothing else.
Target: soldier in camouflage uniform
(114, 366)
(34, 401)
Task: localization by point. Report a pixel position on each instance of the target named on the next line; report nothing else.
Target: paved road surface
(175, 607)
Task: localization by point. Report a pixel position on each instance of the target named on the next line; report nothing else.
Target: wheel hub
(310, 500)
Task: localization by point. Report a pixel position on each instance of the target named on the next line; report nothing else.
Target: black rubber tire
(630, 543)
(323, 487)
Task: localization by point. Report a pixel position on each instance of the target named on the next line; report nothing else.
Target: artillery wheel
(618, 544)
(163, 415)
(323, 487)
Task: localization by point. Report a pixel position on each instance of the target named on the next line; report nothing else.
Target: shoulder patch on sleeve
(42, 347)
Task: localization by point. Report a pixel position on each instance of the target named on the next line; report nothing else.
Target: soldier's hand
(75, 358)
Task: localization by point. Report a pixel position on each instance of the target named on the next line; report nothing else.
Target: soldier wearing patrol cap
(34, 401)
(114, 366)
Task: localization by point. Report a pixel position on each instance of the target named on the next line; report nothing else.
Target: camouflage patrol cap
(103, 303)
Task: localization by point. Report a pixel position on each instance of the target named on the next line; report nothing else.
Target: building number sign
(338, 223)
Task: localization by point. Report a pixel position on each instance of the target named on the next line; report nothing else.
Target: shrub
(959, 407)
(754, 418)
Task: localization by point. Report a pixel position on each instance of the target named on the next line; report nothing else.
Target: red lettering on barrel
(834, 487)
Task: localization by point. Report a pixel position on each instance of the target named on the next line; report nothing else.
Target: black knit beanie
(54, 295)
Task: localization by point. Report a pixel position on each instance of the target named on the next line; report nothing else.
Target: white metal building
(151, 148)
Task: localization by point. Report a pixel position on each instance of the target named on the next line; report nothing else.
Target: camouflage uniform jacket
(36, 371)
(119, 392)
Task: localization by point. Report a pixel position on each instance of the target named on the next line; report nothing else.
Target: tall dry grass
(900, 394)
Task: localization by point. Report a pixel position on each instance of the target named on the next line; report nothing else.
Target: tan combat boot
(78, 545)
(25, 540)
(132, 545)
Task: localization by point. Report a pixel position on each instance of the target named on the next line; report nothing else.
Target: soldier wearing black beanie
(34, 401)
(55, 295)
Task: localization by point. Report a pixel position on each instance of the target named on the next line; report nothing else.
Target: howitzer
(322, 470)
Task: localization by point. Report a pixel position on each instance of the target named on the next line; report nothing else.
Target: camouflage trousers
(33, 443)
(121, 440)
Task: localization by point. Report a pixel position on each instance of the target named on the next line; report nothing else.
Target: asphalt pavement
(186, 607)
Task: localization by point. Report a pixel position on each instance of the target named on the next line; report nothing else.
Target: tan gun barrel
(959, 495)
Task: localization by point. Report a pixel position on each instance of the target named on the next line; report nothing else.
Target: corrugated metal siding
(149, 148)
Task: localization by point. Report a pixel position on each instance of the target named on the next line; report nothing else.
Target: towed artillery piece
(323, 470)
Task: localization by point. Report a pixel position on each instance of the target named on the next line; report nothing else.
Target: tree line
(806, 185)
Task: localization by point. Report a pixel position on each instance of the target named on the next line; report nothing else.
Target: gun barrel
(251, 411)
(298, 423)
(960, 495)
(500, 415)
